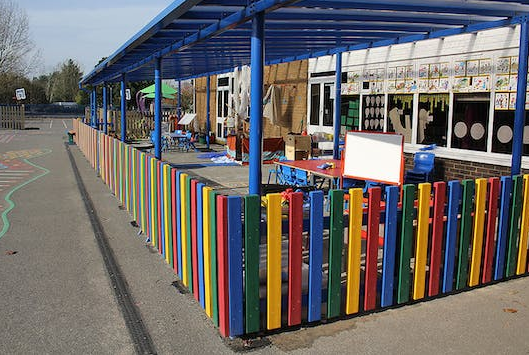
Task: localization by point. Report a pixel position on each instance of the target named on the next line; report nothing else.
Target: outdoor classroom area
(371, 153)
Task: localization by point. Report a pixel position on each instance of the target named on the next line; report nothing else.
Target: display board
(374, 157)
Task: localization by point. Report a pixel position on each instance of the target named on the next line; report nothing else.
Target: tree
(63, 84)
(17, 50)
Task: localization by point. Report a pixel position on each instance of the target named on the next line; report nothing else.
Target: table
(182, 139)
(311, 166)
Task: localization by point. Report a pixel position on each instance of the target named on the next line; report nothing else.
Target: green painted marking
(514, 226)
(464, 235)
(335, 254)
(5, 221)
(252, 217)
(214, 283)
(406, 243)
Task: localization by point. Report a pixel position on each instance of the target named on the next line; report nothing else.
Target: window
(503, 129)
(433, 119)
(315, 104)
(470, 121)
(400, 112)
(373, 113)
(349, 115)
(328, 104)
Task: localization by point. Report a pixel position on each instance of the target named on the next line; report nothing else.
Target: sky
(85, 31)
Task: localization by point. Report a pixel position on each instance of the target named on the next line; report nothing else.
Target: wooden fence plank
(273, 262)
(437, 237)
(335, 254)
(492, 214)
(406, 241)
(235, 266)
(479, 226)
(390, 246)
(295, 257)
(373, 222)
(354, 251)
(524, 230)
(464, 235)
(252, 217)
(315, 255)
(514, 226)
(503, 227)
(421, 247)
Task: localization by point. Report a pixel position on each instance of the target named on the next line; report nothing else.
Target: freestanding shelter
(198, 38)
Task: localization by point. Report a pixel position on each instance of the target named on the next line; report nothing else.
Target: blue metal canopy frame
(194, 38)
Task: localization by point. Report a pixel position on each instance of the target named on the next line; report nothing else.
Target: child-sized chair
(423, 164)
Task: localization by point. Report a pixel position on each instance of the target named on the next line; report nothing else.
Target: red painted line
(222, 261)
(194, 254)
(173, 219)
(294, 258)
(373, 221)
(492, 214)
(159, 202)
(437, 237)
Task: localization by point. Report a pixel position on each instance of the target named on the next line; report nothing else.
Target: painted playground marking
(17, 164)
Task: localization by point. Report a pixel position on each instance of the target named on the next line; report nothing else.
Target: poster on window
(501, 101)
(503, 65)
(460, 68)
(485, 66)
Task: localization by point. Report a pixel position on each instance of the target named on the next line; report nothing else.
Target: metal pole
(123, 108)
(179, 107)
(256, 103)
(105, 109)
(94, 115)
(91, 108)
(157, 108)
(208, 98)
(519, 113)
(337, 107)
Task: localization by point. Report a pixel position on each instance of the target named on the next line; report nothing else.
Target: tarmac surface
(56, 296)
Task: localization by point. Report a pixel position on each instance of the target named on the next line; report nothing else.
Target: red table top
(311, 166)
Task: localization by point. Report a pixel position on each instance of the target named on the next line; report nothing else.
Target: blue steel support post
(179, 107)
(96, 120)
(337, 107)
(91, 108)
(123, 108)
(105, 108)
(158, 108)
(256, 103)
(208, 110)
(519, 113)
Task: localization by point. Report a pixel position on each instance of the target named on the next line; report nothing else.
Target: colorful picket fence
(255, 268)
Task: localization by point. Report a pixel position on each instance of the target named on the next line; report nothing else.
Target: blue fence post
(208, 100)
(105, 108)
(123, 108)
(256, 104)
(454, 195)
(158, 108)
(337, 107)
(503, 227)
(390, 245)
(235, 266)
(315, 255)
(179, 104)
(519, 113)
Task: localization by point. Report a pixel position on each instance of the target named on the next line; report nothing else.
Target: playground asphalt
(56, 295)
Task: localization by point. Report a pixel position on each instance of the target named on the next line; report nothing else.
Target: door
(223, 107)
(321, 103)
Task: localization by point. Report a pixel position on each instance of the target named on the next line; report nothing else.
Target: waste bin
(70, 137)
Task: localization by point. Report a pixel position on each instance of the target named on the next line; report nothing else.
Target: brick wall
(451, 169)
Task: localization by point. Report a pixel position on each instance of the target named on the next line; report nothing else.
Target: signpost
(20, 94)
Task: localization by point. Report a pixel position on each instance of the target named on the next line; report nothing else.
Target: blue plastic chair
(301, 177)
(423, 164)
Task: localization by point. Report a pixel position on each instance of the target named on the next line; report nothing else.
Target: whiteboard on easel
(374, 156)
